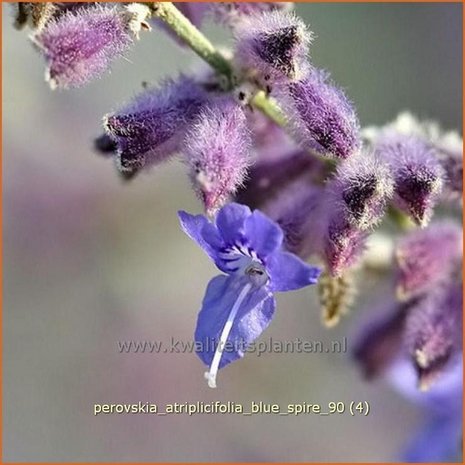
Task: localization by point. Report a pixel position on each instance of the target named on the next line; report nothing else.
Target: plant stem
(269, 108)
(186, 31)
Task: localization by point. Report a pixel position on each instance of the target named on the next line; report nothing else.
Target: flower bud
(344, 243)
(433, 333)
(427, 257)
(417, 173)
(271, 47)
(151, 128)
(360, 189)
(336, 297)
(216, 150)
(80, 45)
(320, 115)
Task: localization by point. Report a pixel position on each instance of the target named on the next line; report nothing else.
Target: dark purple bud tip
(272, 48)
(277, 49)
(418, 174)
(416, 188)
(105, 145)
(152, 126)
(362, 186)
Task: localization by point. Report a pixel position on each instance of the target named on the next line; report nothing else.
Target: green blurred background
(89, 261)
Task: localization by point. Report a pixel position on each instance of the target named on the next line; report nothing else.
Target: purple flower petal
(288, 272)
(200, 230)
(436, 442)
(255, 308)
(230, 222)
(264, 235)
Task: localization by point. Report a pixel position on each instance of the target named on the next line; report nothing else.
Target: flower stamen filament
(213, 371)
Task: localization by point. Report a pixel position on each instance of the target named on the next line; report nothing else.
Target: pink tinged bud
(361, 189)
(320, 115)
(425, 258)
(418, 174)
(344, 245)
(80, 45)
(356, 201)
(433, 333)
(152, 127)
(216, 150)
(271, 47)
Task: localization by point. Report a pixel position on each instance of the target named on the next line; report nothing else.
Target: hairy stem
(186, 31)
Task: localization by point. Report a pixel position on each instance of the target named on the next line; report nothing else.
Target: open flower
(239, 305)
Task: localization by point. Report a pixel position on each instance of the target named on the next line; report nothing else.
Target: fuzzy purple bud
(287, 189)
(216, 150)
(271, 47)
(270, 141)
(417, 172)
(296, 210)
(151, 128)
(361, 189)
(80, 45)
(356, 200)
(344, 245)
(269, 178)
(433, 333)
(448, 147)
(320, 115)
(426, 258)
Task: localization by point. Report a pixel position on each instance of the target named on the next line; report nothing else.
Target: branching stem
(186, 31)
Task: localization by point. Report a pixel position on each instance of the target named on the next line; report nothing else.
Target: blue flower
(438, 438)
(239, 305)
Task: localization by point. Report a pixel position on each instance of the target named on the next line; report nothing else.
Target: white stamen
(211, 374)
